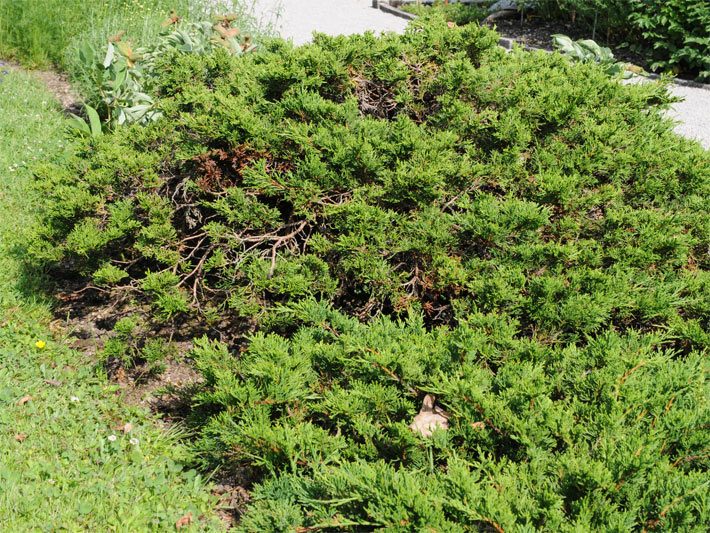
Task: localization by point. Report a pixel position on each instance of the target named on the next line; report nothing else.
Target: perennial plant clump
(118, 76)
(364, 221)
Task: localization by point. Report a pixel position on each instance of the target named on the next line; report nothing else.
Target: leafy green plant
(587, 51)
(119, 93)
(91, 127)
(677, 32)
(120, 79)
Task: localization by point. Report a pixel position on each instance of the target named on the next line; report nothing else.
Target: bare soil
(535, 32)
(59, 86)
(88, 317)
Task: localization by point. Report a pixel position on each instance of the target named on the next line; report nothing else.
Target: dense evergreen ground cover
(363, 221)
(63, 462)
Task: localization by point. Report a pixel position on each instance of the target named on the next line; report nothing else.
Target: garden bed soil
(88, 318)
(535, 32)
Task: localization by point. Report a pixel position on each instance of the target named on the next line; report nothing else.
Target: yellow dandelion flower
(40, 345)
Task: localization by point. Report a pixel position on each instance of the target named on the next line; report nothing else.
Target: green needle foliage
(369, 220)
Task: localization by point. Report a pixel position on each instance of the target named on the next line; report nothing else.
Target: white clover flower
(134, 441)
(51, 481)
(112, 438)
(74, 398)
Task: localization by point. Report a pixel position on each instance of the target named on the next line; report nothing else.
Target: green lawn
(60, 466)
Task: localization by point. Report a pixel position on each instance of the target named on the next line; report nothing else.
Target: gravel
(298, 19)
(693, 113)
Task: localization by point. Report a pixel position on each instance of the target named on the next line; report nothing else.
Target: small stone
(503, 5)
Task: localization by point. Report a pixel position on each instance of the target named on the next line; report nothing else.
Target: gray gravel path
(693, 113)
(298, 19)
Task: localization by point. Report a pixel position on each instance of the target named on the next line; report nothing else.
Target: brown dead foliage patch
(219, 169)
(375, 97)
(233, 495)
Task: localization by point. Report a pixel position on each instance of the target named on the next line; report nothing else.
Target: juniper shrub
(375, 219)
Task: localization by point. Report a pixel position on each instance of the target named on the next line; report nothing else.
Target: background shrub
(674, 33)
(678, 32)
(364, 221)
(607, 18)
(455, 12)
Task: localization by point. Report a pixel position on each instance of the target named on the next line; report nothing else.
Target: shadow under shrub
(391, 217)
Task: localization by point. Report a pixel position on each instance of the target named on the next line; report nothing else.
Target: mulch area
(537, 33)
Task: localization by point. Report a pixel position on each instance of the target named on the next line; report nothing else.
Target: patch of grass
(38, 32)
(59, 467)
(51, 32)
